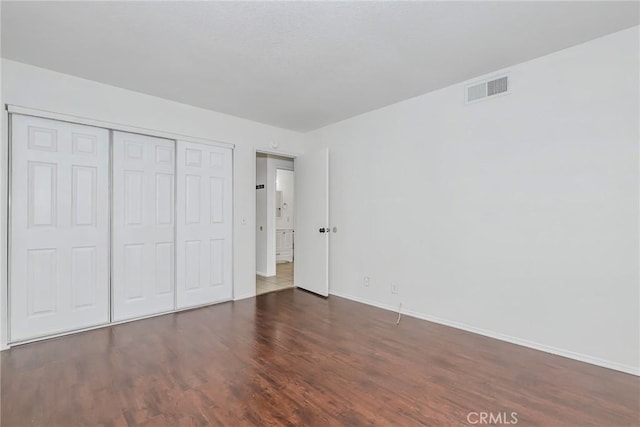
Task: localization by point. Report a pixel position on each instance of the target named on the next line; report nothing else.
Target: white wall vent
(486, 89)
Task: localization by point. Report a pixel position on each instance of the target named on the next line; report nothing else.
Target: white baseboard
(261, 274)
(633, 370)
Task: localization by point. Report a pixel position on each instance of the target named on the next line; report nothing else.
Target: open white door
(312, 222)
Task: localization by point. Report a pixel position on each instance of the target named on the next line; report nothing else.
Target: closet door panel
(143, 225)
(204, 224)
(59, 248)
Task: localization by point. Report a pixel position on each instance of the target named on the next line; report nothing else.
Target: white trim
(4, 218)
(254, 220)
(262, 274)
(16, 109)
(277, 153)
(502, 337)
(233, 224)
(106, 325)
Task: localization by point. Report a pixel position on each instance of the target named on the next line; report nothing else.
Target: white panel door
(59, 268)
(312, 222)
(143, 225)
(204, 224)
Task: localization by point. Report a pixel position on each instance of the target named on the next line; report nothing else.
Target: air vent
(487, 89)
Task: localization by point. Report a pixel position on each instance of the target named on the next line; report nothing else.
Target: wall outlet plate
(394, 288)
(366, 281)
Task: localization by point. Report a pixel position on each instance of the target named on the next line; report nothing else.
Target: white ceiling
(297, 65)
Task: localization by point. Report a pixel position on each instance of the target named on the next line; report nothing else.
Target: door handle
(322, 230)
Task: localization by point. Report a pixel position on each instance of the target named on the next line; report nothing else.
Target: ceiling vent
(487, 89)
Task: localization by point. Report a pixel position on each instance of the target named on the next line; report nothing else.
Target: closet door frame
(10, 109)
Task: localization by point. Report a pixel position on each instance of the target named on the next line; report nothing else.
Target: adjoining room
(275, 222)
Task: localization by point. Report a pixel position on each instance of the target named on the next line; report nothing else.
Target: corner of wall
(4, 203)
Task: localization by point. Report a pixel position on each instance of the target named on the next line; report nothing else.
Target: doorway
(275, 222)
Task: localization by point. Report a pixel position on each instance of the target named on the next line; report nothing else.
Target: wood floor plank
(290, 358)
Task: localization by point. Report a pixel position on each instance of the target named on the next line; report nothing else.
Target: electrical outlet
(366, 281)
(394, 288)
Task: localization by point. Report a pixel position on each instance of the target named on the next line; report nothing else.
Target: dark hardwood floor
(291, 358)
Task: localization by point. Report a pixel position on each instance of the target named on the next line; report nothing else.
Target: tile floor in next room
(282, 280)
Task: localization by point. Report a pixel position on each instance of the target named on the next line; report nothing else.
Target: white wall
(285, 183)
(515, 217)
(261, 217)
(38, 88)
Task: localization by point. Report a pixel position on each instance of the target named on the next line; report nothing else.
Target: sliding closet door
(143, 226)
(59, 248)
(204, 221)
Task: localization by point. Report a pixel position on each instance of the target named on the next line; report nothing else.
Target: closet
(59, 258)
(204, 237)
(107, 226)
(143, 229)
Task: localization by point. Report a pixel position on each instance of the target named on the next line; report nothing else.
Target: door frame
(5, 204)
(254, 220)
